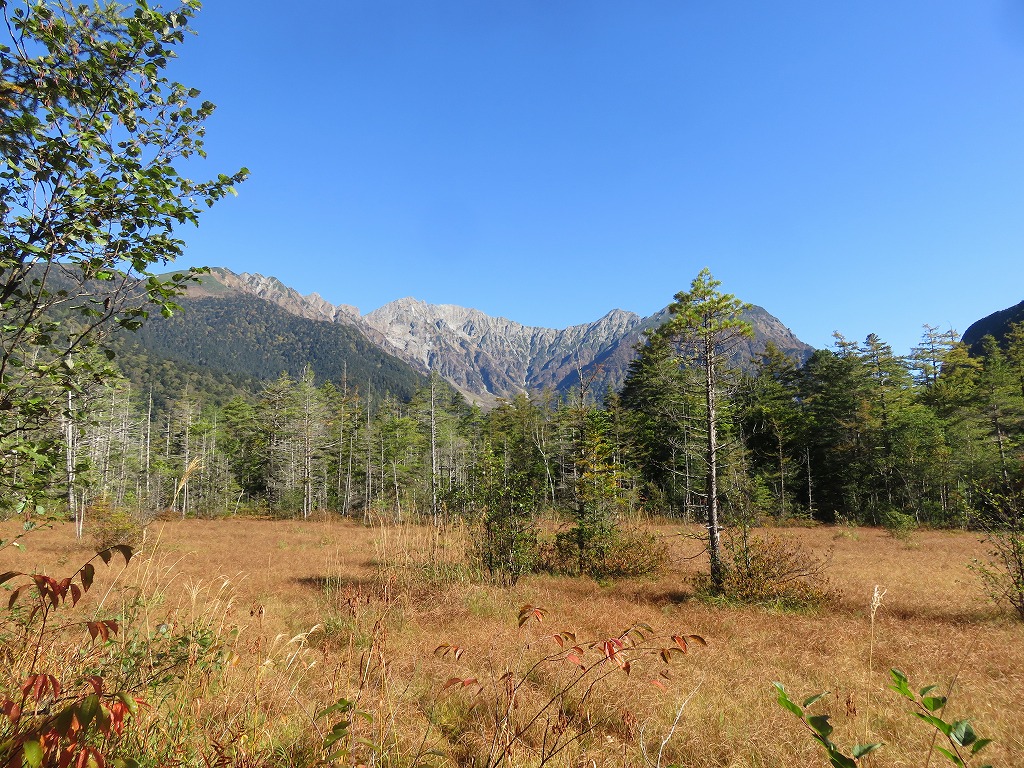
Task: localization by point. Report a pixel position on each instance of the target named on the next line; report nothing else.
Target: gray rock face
(488, 358)
(494, 357)
(222, 281)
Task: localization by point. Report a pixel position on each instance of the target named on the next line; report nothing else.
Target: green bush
(1002, 574)
(768, 572)
(606, 552)
(113, 526)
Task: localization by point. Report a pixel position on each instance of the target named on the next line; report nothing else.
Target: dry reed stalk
(873, 607)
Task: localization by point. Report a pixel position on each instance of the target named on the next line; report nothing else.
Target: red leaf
(118, 710)
(11, 709)
(88, 572)
(38, 686)
(528, 612)
(659, 685)
(15, 595)
(451, 683)
(680, 641)
(572, 658)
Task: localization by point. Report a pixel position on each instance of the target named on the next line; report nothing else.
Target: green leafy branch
(963, 742)
(821, 730)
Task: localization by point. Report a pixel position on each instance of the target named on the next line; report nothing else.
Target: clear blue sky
(848, 166)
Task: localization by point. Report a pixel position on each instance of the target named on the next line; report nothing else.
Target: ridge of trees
(249, 339)
(857, 433)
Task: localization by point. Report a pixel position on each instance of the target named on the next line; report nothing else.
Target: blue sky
(848, 166)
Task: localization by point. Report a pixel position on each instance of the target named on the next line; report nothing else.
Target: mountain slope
(493, 356)
(484, 357)
(496, 357)
(244, 335)
(997, 324)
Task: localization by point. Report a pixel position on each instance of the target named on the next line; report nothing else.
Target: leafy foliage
(1003, 573)
(90, 200)
(768, 572)
(821, 730)
(48, 717)
(541, 700)
(962, 743)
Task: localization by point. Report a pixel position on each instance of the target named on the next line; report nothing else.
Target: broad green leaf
(933, 703)
(33, 752)
(951, 756)
(859, 750)
(839, 760)
(900, 684)
(812, 699)
(962, 733)
(821, 725)
(786, 702)
(979, 745)
(936, 722)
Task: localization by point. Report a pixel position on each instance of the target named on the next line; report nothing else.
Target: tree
(705, 327)
(658, 393)
(90, 198)
(772, 418)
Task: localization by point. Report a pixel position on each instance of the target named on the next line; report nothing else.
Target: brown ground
(386, 597)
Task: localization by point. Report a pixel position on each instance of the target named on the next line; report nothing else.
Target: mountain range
(248, 324)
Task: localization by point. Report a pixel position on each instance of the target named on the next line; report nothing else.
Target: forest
(854, 434)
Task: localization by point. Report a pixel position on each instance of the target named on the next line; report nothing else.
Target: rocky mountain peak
(485, 357)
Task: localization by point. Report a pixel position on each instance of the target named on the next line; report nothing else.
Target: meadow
(239, 633)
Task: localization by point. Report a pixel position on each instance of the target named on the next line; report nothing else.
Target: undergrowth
(769, 573)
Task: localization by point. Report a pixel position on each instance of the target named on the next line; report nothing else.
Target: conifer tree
(705, 328)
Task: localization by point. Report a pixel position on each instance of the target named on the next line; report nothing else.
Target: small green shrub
(506, 547)
(768, 572)
(962, 744)
(1002, 574)
(608, 553)
(113, 526)
(898, 524)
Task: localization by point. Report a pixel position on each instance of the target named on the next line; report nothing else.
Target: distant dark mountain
(997, 324)
(485, 358)
(247, 339)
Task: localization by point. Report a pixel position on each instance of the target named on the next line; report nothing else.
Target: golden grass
(380, 599)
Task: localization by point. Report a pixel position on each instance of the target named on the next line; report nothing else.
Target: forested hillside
(248, 338)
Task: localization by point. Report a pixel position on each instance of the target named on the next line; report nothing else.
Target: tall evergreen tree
(705, 327)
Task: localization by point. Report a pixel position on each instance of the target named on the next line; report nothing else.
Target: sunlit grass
(312, 612)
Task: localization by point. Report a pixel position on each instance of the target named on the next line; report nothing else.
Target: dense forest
(246, 338)
(855, 434)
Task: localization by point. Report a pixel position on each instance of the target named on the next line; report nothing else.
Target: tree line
(855, 433)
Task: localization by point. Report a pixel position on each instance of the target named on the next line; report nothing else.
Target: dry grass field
(303, 614)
